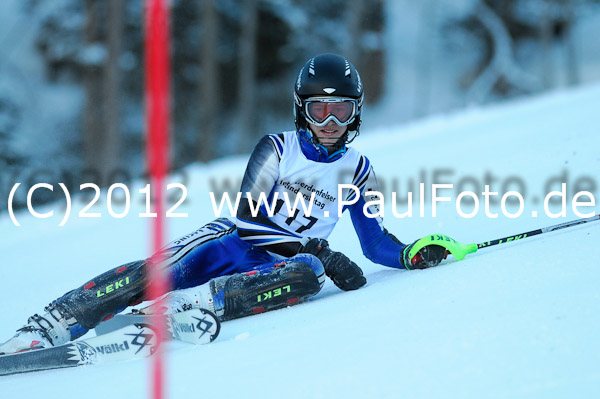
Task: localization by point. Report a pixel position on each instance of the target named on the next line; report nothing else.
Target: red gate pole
(157, 73)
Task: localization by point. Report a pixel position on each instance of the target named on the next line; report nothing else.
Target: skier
(266, 260)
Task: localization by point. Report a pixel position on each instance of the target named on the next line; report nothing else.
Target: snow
(518, 320)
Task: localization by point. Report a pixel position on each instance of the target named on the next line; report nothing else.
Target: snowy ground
(516, 321)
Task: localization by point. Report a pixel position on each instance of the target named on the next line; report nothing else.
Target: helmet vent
(347, 73)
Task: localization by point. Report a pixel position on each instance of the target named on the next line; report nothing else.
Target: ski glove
(428, 256)
(344, 273)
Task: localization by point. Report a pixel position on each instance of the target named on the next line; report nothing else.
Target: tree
(209, 78)
(247, 75)
(111, 150)
(502, 27)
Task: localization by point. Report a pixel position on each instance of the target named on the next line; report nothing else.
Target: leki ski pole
(459, 251)
(537, 232)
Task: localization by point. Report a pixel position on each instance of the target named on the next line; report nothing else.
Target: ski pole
(537, 232)
(459, 250)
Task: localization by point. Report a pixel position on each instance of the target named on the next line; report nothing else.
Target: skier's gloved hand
(428, 256)
(344, 273)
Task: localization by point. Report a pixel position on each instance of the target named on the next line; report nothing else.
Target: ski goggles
(320, 110)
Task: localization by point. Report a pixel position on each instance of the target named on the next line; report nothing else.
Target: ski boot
(182, 300)
(45, 331)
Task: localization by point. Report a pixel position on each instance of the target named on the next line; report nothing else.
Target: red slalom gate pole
(157, 73)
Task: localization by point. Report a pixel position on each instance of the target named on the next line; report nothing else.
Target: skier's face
(329, 134)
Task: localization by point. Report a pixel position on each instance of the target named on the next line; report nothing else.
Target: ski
(137, 338)
(130, 342)
(196, 326)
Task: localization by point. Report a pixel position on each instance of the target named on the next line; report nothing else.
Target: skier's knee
(315, 264)
(244, 294)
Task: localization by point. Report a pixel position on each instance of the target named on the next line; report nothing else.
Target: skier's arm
(378, 245)
(384, 248)
(261, 175)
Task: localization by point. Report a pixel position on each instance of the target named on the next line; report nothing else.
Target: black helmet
(334, 77)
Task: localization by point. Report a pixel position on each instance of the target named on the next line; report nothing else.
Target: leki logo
(508, 239)
(273, 293)
(112, 287)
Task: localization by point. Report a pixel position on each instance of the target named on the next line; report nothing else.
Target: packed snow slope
(519, 320)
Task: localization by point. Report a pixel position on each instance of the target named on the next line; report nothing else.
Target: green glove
(429, 251)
